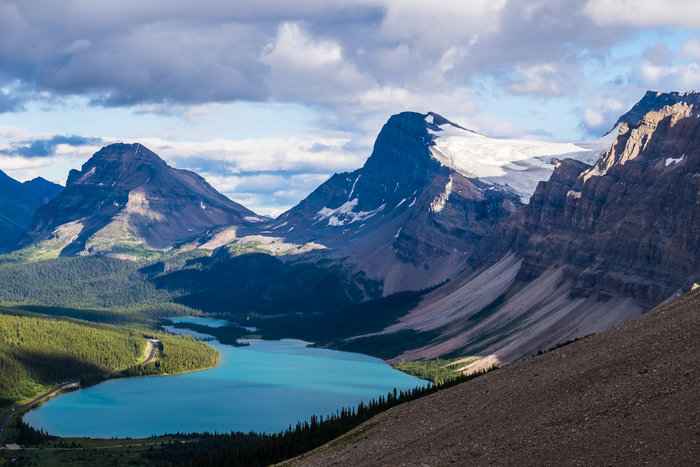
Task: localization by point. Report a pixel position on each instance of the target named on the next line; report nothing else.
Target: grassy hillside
(38, 352)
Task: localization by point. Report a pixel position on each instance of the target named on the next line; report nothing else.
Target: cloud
(669, 77)
(600, 117)
(47, 147)
(261, 193)
(262, 154)
(310, 69)
(354, 63)
(644, 13)
(691, 49)
(541, 80)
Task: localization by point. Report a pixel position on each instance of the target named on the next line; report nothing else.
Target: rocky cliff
(629, 225)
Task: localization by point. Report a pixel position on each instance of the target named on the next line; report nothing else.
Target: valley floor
(628, 396)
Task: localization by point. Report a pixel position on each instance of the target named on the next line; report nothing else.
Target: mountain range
(517, 245)
(18, 203)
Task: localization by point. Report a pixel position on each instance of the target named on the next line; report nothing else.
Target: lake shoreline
(310, 380)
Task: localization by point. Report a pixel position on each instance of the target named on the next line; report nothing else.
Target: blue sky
(266, 99)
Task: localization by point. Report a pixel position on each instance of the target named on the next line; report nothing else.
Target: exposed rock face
(127, 195)
(630, 225)
(18, 202)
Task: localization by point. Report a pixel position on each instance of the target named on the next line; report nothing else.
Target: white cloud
(295, 48)
(671, 77)
(691, 49)
(644, 13)
(262, 154)
(259, 193)
(442, 24)
(593, 118)
(305, 68)
(600, 116)
(540, 80)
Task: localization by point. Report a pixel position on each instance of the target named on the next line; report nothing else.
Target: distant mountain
(595, 246)
(425, 198)
(126, 198)
(18, 202)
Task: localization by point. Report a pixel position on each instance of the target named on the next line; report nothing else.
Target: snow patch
(517, 164)
(201, 205)
(352, 190)
(398, 232)
(671, 160)
(573, 194)
(281, 225)
(90, 172)
(412, 203)
(401, 202)
(429, 119)
(253, 219)
(438, 203)
(344, 214)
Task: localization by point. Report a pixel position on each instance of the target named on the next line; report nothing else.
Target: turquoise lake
(264, 387)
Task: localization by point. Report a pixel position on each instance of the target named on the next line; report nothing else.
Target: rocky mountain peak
(655, 101)
(117, 161)
(664, 133)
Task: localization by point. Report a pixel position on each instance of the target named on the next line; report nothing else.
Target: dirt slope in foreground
(630, 396)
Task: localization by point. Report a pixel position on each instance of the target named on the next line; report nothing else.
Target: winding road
(6, 417)
(150, 353)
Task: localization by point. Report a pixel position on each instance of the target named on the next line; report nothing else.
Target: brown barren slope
(628, 396)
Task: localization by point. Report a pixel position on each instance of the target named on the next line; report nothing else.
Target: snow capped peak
(518, 165)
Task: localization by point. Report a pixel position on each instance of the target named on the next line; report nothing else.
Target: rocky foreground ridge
(628, 396)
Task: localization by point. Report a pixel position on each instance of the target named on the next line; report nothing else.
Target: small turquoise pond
(264, 387)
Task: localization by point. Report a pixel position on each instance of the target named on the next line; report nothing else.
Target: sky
(267, 99)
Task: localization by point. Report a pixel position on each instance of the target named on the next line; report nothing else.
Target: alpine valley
(445, 244)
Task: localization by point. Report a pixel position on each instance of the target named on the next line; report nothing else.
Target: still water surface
(264, 387)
